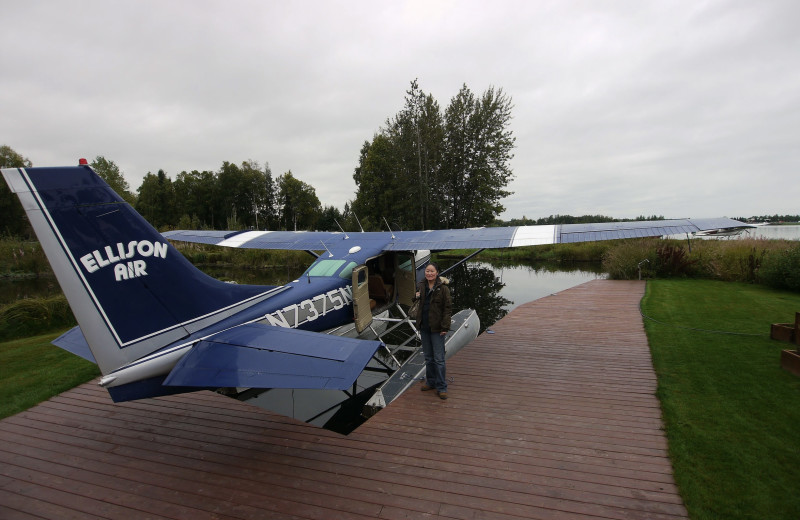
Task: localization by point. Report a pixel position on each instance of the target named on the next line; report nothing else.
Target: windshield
(325, 268)
(330, 267)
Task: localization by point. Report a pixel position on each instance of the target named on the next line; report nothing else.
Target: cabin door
(405, 277)
(362, 313)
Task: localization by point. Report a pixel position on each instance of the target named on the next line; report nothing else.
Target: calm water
(492, 291)
(787, 232)
(522, 283)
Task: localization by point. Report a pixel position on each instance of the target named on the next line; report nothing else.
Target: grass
(32, 370)
(731, 413)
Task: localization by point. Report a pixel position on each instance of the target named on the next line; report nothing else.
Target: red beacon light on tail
(82, 162)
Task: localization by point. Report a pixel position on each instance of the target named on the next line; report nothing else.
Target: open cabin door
(362, 313)
(405, 277)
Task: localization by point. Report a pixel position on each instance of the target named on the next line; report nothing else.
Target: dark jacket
(441, 306)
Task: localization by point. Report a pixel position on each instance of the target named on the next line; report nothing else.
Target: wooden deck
(551, 417)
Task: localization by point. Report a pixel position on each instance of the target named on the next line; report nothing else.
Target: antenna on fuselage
(390, 227)
(330, 255)
(358, 222)
(340, 227)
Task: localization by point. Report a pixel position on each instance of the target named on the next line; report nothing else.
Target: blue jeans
(433, 348)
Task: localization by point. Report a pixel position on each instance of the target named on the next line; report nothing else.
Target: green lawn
(732, 414)
(32, 370)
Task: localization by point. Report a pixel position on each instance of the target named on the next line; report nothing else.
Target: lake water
(522, 284)
(493, 291)
(780, 232)
(786, 232)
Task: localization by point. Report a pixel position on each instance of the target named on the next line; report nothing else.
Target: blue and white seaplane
(312, 349)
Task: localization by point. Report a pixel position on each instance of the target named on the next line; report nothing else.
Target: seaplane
(316, 348)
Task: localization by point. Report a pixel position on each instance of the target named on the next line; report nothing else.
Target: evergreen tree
(328, 218)
(416, 135)
(268, 204)
(425, 170)
(381, 187)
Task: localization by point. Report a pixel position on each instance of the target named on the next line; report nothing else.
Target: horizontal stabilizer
(73, 341)
(265, 356)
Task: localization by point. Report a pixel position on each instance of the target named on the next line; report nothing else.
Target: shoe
(425, 388)
(442, 395)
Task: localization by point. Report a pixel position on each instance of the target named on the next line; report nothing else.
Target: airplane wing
(446, 239)
(292, 240)
(500, 237)
(265, 356)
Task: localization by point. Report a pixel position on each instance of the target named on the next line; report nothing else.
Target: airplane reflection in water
(316, 348)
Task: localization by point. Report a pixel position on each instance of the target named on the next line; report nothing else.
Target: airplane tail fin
(131, 291)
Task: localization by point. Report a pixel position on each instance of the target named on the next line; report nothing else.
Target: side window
(347, 272)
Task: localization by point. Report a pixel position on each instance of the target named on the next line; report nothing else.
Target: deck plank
(552, 416)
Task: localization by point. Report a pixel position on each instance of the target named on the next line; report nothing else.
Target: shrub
(624, 259)
(34, 316)
(731, 260)
(781, 269)
(22, 258)
(672, 260)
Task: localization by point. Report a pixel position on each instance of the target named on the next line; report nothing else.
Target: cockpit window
(347, 272)
(325, 268)
(406, 263)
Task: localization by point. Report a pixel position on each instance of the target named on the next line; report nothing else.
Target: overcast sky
(681, 109)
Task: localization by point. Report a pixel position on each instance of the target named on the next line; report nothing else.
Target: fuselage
(320, 299)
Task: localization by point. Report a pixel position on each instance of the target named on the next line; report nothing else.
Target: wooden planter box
(782, 332)
(789, 332)
(790, 361)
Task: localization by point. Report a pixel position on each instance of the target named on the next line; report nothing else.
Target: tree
(13, 220)
(380, 188)
(268, 204)
(246, 192)
(156, 201)
(260, 194)
(416, 136)
(328, 218)
(194, 198)
(298, 203)
(424, 170)
(477, 152)
(11, 159)
(110, 173)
